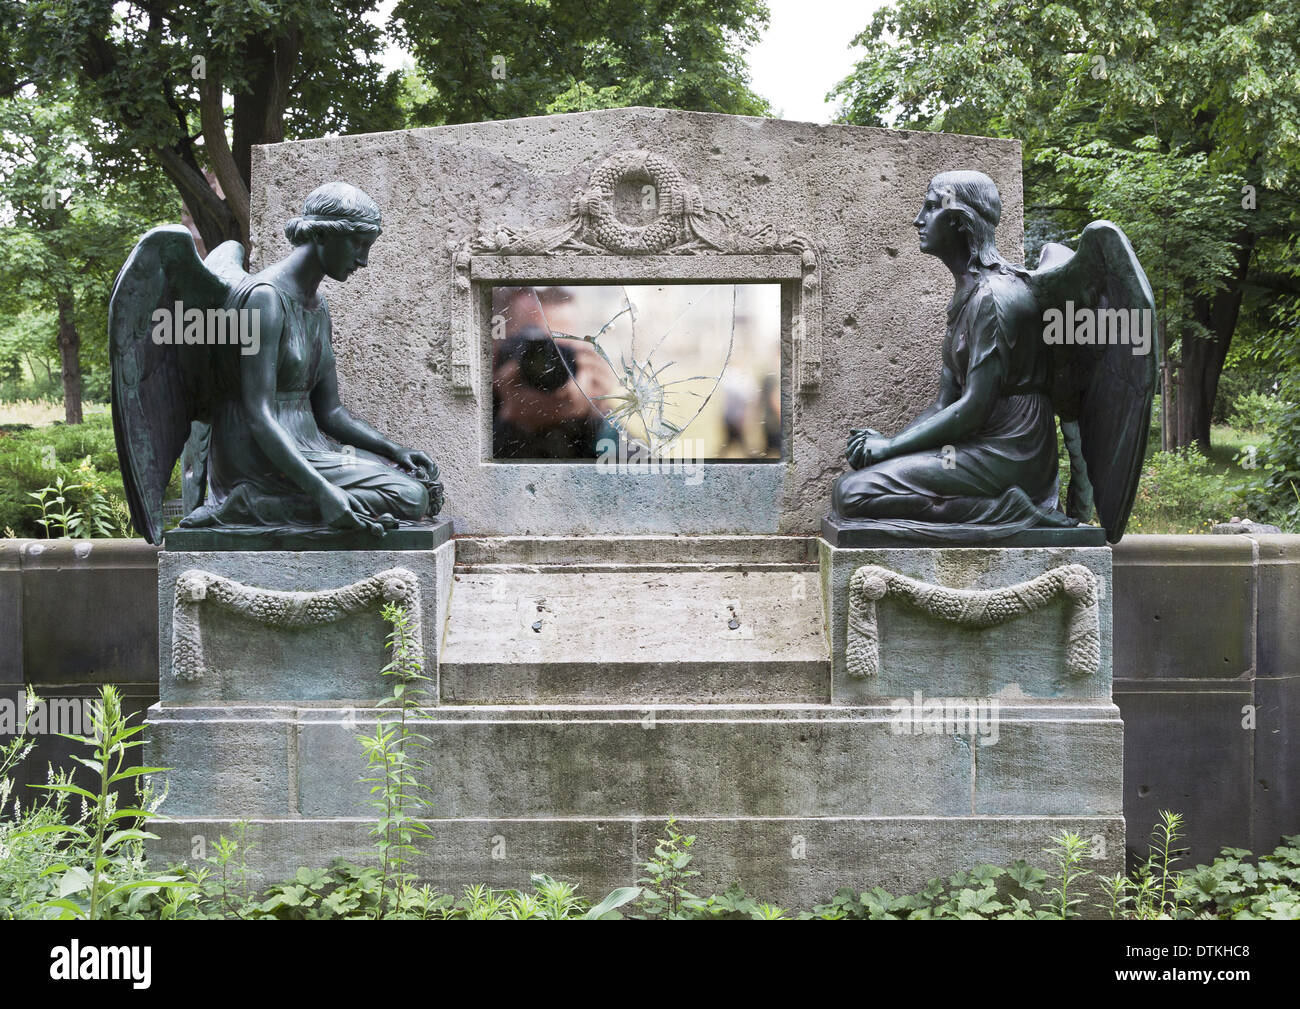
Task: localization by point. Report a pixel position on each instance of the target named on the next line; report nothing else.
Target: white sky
(803, 54)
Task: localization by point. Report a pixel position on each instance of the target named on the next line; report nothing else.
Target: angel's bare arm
(335, 419)
(956, 421)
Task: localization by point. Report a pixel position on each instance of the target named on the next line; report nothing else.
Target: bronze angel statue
(237, 374)
(1072, 338)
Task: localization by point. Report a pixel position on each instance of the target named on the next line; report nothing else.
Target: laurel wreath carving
(974, 608)
(279, 608)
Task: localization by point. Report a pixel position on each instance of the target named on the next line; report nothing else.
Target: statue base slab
(858, 533)
(408, 536)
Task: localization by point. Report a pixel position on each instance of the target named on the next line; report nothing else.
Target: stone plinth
(242, 638)
(563, 748)
(1025, 657)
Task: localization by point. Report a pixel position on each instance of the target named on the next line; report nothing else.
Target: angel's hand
(417, 462)
(858, 437)
(870, 449)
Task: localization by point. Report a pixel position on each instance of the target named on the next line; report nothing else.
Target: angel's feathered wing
(162, 386)
(1104, 389)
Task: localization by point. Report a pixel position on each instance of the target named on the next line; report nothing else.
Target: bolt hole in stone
(685, 373)
(1144, 790)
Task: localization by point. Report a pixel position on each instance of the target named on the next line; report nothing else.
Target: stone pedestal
(588, 688)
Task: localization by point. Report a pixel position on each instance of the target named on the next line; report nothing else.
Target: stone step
(794, 862)
(629, 552)
(1034, 759)
(635, 619)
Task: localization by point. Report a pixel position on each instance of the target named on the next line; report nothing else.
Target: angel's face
(937, 225)
(341, 254)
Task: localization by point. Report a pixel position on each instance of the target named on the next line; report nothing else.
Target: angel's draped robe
(1004, 477)
(245, 487)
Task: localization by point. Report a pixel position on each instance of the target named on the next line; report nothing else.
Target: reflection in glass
(686, 369)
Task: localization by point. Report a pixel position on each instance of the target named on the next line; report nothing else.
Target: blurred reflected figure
(538, 410)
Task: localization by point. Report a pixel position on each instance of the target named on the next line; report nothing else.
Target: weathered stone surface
(856, 534)
(340, 661)
(852, 191)
(692, 760)
(11, 612)
(637, 619)
(796, 862)
(240, 766)
(424, 536)
(635, 637)
(1053, 766)
(1276, 810)
(1188, 607)
(1026, 656)
(1193, 756)
(87, 610)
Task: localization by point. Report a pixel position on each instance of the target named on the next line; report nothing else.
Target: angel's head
(341, 223)
(960, 218)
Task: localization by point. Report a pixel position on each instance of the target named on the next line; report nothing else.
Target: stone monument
(635, 338)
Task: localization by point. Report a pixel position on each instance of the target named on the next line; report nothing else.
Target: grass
(1178, 497)
(41, 412)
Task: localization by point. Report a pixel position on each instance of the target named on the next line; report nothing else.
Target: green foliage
(70, 223)
(665, 894)
(1257, 411)
(581, 54)
(1276, 498)
(77, 462)
(1231, 887)
(95, 863)
(1182, 492)
(392, 756)
(1178, 120)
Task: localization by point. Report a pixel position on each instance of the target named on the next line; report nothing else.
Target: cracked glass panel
(690, 371)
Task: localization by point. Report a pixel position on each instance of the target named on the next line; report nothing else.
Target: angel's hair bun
(331, 209)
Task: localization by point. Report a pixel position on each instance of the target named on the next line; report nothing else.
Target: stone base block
(1027, 656)
(269, 626)
(879, 794)
(794, 862)
(635, 620)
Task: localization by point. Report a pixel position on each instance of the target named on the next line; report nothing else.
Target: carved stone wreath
(974, 608)
(634, 166)
(279, 608)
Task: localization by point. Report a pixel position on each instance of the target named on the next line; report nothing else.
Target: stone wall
(1204, 639)
(826, 210)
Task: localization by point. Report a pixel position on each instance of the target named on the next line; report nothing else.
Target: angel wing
(162, 387)
(1102, 390)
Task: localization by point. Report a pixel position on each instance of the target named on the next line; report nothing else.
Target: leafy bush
(1257, 411)
(84, 457)
(1183, 492)
(1238, 381)
(1276, 499)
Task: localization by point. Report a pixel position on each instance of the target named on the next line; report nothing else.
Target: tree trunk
(1202, 358)
(70, 358)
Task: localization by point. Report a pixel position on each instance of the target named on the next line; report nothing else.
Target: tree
(197, 85)
(523, 58)
(1178, 118)
(68, 229)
